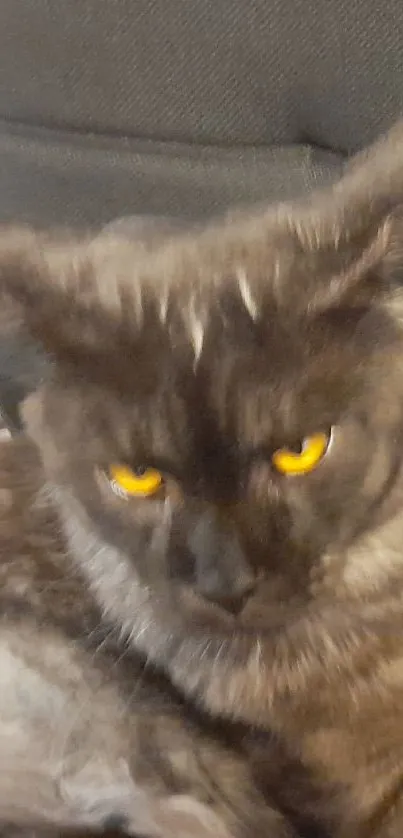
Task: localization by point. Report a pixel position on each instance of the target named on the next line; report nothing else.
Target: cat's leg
(65, 748)
(71, 754)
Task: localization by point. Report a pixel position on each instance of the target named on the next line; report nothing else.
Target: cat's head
(224, 419)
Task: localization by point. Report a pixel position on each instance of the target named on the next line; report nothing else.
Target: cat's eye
(313, 449)
(139, 482)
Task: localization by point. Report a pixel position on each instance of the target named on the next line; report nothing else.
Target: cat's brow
(163, 464)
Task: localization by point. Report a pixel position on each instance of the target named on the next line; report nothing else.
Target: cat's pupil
(140, 471)
(295, 447)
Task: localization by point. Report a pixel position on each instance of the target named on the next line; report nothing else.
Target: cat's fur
(274, 605)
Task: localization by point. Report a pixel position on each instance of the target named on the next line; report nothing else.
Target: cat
(210, 494)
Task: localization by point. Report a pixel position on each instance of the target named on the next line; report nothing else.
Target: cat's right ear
(38, 273)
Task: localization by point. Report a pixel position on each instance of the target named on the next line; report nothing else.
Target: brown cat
(220, 473)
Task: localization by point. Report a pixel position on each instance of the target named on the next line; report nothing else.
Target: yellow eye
(313, 450)
(141, 482)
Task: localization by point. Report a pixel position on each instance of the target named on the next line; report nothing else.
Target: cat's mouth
(269, 600)
(261, 609)
(213, 612)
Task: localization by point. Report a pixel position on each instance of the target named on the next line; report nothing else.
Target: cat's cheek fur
(110, 574)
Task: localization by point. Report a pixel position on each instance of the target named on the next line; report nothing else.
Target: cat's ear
(352, 233)
(76, 296)
(40, 279)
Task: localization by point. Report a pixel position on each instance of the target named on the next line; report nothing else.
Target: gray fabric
(53, 177)
(111, 107)
(209, 71)
(22, 367)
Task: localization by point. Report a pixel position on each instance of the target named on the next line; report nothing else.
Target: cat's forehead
(228, 326)
(186, 276)
(286, 380)
(255, 382)
(270, 268)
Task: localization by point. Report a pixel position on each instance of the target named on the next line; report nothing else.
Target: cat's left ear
(353, 232)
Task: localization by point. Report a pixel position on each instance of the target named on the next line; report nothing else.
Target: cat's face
(226, 415)
(232, 477)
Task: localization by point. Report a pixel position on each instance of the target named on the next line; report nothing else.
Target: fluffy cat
(215, 473)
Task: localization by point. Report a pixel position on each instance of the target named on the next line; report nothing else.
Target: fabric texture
(49, 177)
(111, 107)
(228, 72)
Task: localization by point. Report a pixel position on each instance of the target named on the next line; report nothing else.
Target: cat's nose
(222, 572)
(235, 600)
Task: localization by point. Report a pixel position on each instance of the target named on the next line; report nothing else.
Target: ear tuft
(38, 281)
(54, 285)
(351, 235)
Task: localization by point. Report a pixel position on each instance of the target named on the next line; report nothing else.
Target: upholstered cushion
(180, 107)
